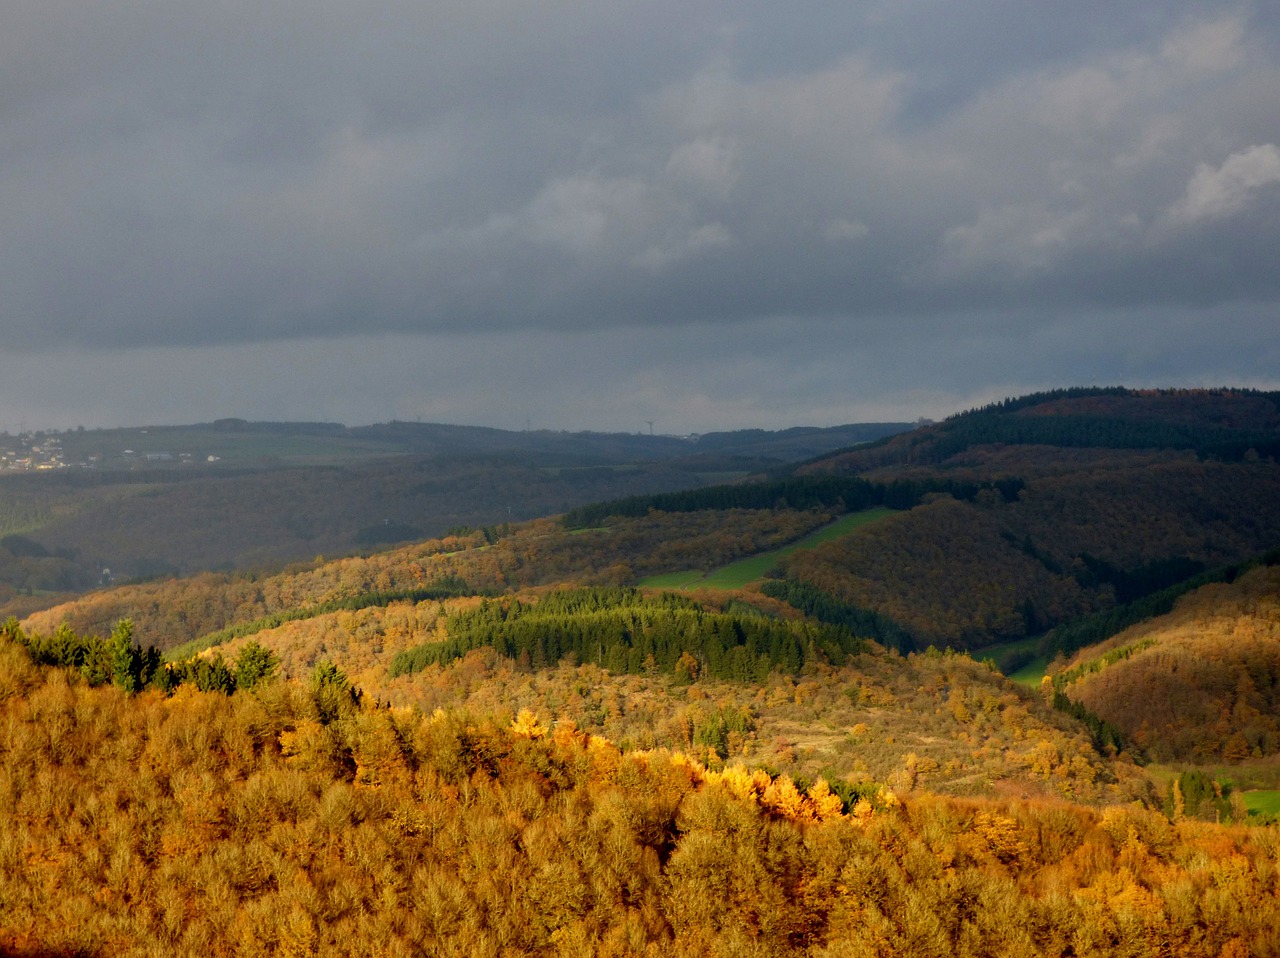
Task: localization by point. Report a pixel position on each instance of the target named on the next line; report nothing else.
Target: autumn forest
(1004, 684)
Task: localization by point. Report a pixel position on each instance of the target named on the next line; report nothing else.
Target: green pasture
(1262, 802)
(739, 574)
(1030, 672)
(673, 580)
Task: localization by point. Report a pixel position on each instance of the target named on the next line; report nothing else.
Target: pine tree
(255, 663)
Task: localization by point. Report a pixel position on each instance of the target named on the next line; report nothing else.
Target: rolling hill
(1118, 493)
(961, 554)
(1199, 684)
(492, 739)
(298, 819)
(88, 507)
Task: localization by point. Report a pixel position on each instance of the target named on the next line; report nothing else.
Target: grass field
(1030, 672)
(739, 574)
(1262, 802)
(672, 580)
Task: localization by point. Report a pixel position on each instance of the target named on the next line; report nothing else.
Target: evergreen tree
(125, 657)
(332, 693)
(255, 663)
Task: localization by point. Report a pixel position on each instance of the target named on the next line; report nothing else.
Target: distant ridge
(1225, 424)
(87, 508)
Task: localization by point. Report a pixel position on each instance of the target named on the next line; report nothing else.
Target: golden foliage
(526, 725)
(212, 825)
(1203, 683)
(540, 552)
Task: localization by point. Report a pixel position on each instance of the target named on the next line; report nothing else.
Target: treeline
(1073, 636)
(864, 623)
(1014, 403)
(446, 588)
(1106, 737)
(1119, 418)
(119, 660)
(837, 493)
(625, 631)
(116, 659)
(1108, 418)
(1208, 442)
(1076, 393)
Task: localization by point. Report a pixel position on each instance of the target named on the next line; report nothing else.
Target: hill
(1092, 497)
(973, 555)
(493, 740)
(1225, 424)
(1199, 684)
(170, 612)
(88, 507)
(298, 819)
(971, 573)
(941, 719)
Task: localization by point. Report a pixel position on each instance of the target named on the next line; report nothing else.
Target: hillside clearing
(738, 575)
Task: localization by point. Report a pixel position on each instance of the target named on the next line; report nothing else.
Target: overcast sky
(591, 214)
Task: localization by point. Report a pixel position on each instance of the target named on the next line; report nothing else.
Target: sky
(593, 215)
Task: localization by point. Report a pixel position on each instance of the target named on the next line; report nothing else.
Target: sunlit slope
(1201, 684)
(944, 721)
(168, 613)
(945, 724)
(294, 819)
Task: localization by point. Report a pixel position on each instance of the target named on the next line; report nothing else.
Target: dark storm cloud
(182, 175)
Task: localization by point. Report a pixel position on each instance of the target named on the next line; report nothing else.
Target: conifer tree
(255, 663)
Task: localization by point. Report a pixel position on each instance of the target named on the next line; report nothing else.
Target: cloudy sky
(588, 214)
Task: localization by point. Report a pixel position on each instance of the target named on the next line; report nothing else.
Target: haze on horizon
(591, 216)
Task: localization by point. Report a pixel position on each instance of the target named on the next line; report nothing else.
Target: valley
(958, 664)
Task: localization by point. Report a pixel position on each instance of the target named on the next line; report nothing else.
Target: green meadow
(1262, 801)
(1028, 665)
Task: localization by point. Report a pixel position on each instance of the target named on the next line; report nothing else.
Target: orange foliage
(1204, 681)
(214, 825)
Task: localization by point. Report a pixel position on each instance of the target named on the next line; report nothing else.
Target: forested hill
(1221, 424)
(84, 508)
(1199, 683)
(302, 819)
(996, 542)
(1023, 515)
(511, 738)
(1092, 497)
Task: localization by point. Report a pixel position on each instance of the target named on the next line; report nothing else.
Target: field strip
(737, 575)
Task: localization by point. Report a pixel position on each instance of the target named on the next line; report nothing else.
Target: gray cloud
(227, 180)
